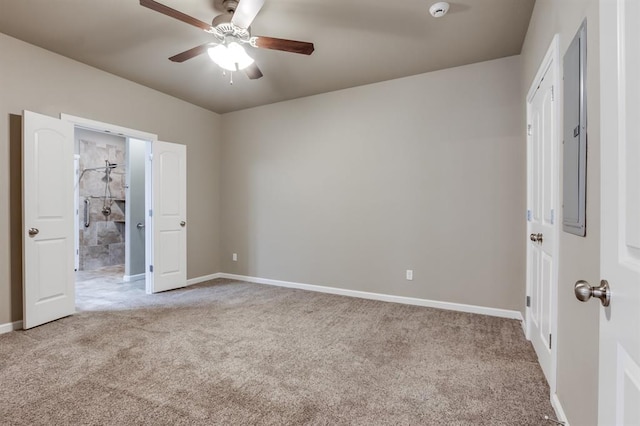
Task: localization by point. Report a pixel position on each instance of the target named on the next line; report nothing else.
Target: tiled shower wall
(102, 243)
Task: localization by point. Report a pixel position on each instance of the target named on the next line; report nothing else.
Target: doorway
(110, 221)
(49, 216)
(542, 205)
(125, 155)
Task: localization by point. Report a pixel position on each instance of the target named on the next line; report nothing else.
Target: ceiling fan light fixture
(231, 57)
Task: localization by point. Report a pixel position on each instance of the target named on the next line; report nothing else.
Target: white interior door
(48, 219)
(169, 179)
(542, 233)
(619, 372)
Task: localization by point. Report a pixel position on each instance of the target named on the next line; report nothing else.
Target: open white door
(48, 219)
(542, 196)
(619, 372)
(169, 180)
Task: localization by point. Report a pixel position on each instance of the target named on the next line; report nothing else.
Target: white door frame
(551, 59)
(85, 123)
(76, 204)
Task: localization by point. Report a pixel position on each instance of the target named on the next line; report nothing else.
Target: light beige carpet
(228, 352)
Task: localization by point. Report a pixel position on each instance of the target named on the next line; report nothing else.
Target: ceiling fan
(231, 31)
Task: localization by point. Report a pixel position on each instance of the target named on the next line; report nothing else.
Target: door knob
(536, 238)
(140, 225)
(584, 292)
(183, 223)
(33, 232)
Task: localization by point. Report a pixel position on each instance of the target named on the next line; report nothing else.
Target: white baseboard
(204, 278)
(495, 312)
(560, 415)
(11, 326)
(137, 277)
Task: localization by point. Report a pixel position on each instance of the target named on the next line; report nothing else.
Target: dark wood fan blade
(253, 72)
(293, 46)
(191, 53)
(246, 12)
(166, 10)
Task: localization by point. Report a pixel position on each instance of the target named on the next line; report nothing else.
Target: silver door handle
(140, 225)
(584, 292)
(33, 232)
(536, 238)
(183, 223)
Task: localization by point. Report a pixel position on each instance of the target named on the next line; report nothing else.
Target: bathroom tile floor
(104, 289)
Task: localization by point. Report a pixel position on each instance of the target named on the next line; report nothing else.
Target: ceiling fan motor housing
(223, 27)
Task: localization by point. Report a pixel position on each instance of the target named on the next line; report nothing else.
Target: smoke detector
(438, 10)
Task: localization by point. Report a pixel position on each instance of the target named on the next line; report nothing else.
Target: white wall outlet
(410, 274)
(234, 257)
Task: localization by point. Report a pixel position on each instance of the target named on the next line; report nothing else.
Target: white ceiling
(356, 42)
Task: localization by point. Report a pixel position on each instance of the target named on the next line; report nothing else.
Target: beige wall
(41, 81)
(351, 188)
(577, 380)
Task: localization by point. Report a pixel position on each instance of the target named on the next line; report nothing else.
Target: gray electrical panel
(574, 165)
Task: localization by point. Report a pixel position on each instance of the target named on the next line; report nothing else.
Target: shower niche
(102, 200)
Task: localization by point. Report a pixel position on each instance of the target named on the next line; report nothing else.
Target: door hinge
(549, 341)
(528, 301)
(150, 212)
(150, 268)
(529, 130)
(529, 216)
(151, 157)
(553, 216)
(553, 93)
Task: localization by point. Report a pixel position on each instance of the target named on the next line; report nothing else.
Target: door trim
(99, 126)
(76, 208)
(551, 59)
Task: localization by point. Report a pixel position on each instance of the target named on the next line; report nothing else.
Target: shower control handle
(183, 223)
(33, 232)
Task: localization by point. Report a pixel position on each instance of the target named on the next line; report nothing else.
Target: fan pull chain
(224, 74)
